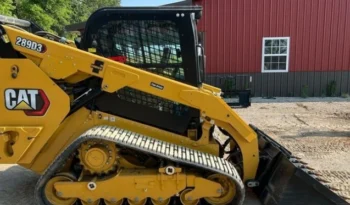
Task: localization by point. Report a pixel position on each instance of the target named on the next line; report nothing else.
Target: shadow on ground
(319, 134)
(17, 186)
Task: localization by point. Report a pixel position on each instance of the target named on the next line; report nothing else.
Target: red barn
(278, 47)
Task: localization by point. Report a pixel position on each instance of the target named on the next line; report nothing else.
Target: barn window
(275, 54)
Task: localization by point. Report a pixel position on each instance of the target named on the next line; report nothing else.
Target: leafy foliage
(83, 8)
(331, 88)
(7, 7)
(53, 15)
(305, 91)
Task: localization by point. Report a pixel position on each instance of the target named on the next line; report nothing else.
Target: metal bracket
(252, 183)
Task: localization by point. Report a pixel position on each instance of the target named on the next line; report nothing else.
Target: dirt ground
(319, 132)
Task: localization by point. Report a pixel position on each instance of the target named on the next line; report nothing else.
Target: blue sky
(146, 2)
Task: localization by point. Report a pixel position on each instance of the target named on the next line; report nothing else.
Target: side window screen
(149, 45)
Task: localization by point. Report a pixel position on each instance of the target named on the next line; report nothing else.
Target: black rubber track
(158, 148)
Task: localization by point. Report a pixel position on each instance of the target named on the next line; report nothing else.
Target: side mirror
(201, 61)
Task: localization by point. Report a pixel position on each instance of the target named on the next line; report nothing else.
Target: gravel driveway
(315, 129)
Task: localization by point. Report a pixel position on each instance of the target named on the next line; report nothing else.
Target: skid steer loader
(123, 117)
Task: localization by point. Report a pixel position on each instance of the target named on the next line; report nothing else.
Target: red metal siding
(319, 32)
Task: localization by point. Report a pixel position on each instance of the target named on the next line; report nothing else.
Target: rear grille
(152, 101)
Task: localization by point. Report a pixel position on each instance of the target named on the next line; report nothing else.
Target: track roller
(160, 201)
(136, 201)
(113, 202)
(91, 202)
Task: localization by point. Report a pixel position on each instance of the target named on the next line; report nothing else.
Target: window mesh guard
(150, 45)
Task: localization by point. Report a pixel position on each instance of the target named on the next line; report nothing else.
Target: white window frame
(264, 55)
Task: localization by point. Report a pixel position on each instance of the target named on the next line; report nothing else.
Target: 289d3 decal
(29, 44)
(33, 102)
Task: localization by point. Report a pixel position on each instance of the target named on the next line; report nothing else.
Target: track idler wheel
(227, 194)
(187, 201)
(54, 197)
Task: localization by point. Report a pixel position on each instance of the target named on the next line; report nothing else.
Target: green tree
(53, 15)
(82, 9)
(7, 7)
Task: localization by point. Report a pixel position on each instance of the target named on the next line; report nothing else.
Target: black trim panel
(110, 103)
(6, 48)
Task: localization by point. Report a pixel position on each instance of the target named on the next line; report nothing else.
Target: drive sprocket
(98, 156)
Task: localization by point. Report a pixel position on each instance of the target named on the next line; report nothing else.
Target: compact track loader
(123, 116)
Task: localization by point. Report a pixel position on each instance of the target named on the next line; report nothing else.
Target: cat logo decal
(33, 102)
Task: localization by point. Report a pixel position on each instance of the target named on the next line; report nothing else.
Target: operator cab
(161, 40)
